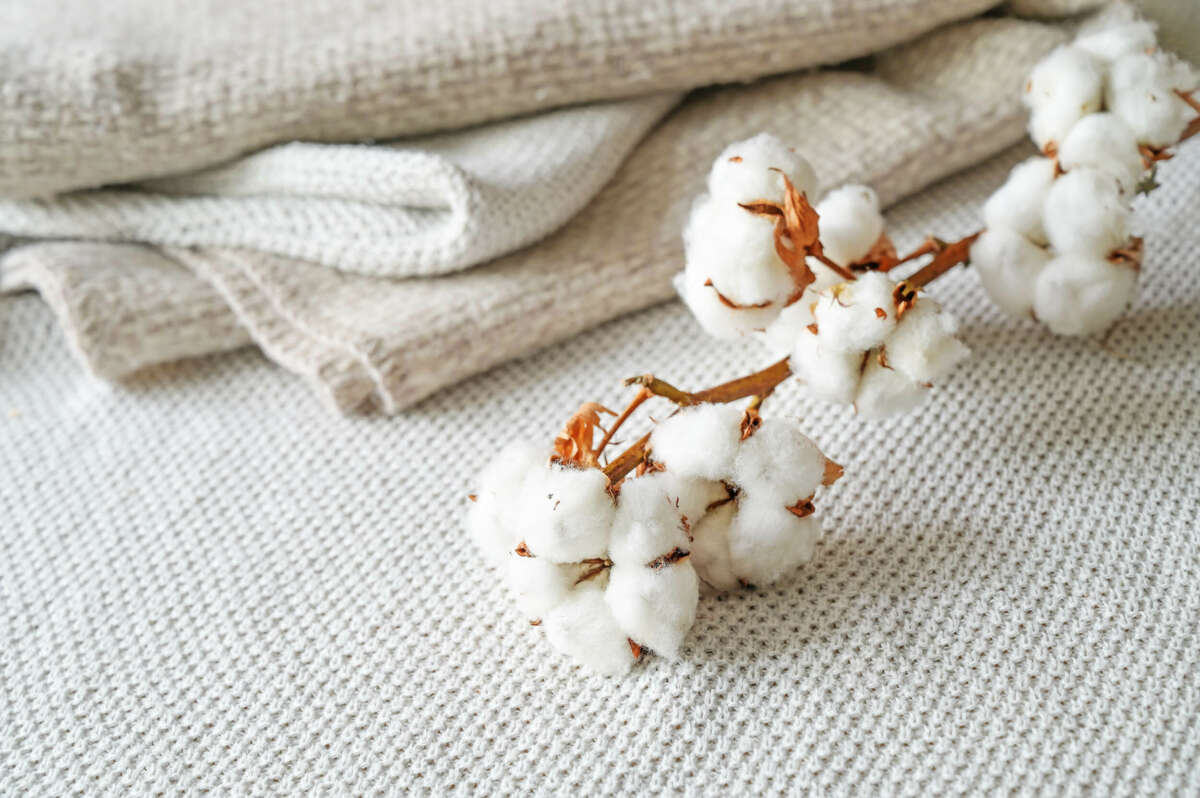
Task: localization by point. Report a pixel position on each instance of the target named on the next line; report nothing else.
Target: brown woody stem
(930, 246)
(642, 396)
(819, 253)
(943, 261)
(627, 460)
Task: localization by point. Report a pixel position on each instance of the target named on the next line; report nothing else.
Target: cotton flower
(1103, 142)
(700, 441)
(583, 628)
(850, 223)
(494, 518)
(753, 169)
(1080, 294)
(1116, 34)
(1141, 91)
(864, 350)
(654, 605)
(1017, 205)
(1063, 87)
(857, 315)
(1008, 264)
(1086, 212)
(734, 281)
(781, 334)
(566, 513)
(750, 535)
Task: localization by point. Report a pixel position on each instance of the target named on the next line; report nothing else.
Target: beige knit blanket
(243, 251)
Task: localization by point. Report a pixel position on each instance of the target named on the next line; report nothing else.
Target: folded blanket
(102, 93)
(919, 112)
(429, 206)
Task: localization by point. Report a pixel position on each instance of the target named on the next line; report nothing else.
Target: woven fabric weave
(153, 87)
(209, 582)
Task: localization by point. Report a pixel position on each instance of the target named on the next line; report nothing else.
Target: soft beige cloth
(102, 93)
(919, 113)
(418, 207)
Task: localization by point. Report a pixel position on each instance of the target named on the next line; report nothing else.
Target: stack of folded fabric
(388, 198)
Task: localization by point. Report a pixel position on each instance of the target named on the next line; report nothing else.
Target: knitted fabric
(152, 87)
(209, 583)
(922, 111)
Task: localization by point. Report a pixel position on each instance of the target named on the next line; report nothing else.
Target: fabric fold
(422, 207)
(918, 113)
(155, 87)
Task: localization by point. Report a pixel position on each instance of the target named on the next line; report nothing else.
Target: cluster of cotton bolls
(607, 570)
(875, 345)
(1057, 245)
(870, 341)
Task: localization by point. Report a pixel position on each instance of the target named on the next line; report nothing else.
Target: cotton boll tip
(753, 169)
(1063, 87)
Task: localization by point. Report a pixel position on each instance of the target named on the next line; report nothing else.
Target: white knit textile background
(210, 582)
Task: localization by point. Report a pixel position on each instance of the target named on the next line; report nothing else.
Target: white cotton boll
(923, 346)
(583, 628)
(1086, 212)
(885, 391)
(1102, 141)
(654, 607)
(858, 315)
(539, 584)
(735, 248)
(745, 171)
(828, 374)
(1008, 264)
(850, 223)
(646, 525)
(1141, 90)
(718, 319)
(779, 457)
(699, 441)
(1080, 294)
(710, 547)
(781, 334)
(567, 513)
(767, 541)
(690, 496)
(1065, 86)
(1017, 204)
(1111, 40)
(494, 518)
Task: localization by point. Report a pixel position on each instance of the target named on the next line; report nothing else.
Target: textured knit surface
(209, 582)
(140, 88)
(427, 206)
(921, 111)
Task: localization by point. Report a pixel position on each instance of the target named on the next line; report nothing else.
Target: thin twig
(627, 460)
(943, 261)
(637, 400)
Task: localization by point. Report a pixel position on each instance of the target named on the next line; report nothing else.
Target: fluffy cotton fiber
(1063, 87)
(858, 315)
(567, 513)
(699, 441)
(1141, 91)
(850, 223)
(1017, 205)
(753, 170)
(1085, 212)
(654, 606)
(767, 541)
(1080, 294)
(583, 628)
(1103, 142)
(1008, 264)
